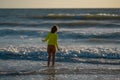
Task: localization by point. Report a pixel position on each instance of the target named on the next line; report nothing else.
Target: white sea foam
(94, 55)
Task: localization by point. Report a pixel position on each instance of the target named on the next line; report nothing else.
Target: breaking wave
(100, 16)
(93, 54)
(69, 24)
(62, 34)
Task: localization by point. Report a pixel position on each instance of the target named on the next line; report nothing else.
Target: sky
(59, 3)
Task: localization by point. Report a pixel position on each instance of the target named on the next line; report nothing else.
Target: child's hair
(54, 29)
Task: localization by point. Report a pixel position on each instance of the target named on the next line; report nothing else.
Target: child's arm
(56, 42)
(46, 38)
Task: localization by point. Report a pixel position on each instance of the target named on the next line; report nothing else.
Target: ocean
(86, 37)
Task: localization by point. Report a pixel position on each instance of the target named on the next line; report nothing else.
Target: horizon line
(60, 8)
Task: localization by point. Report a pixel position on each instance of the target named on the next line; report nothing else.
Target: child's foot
(48, 65)
(53, 65)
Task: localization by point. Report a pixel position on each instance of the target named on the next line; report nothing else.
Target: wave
(87, 24)
(100, 16)
(81, 54)
(64, 24)
(18, 24)
(54, 71)
(96, 37)
(8, 32)
(72, 35)
(62, 34)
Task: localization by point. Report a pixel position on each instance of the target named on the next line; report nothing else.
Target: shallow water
(33, 70)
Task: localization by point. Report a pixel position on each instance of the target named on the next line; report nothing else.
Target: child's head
(54, 29)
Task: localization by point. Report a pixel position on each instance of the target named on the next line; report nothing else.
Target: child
(52, 39)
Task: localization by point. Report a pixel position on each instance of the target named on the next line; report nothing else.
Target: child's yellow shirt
(52, 39)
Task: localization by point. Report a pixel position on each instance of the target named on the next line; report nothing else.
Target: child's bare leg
(53, 59)
(53, 56)
(49, 57)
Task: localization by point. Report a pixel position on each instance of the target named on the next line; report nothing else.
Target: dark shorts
(51, 49)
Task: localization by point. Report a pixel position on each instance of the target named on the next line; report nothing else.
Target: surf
(94, 55)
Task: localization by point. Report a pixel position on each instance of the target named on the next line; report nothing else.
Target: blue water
(85, 35)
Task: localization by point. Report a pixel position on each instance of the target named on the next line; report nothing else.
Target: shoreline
(35, 70)
(39, 67)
